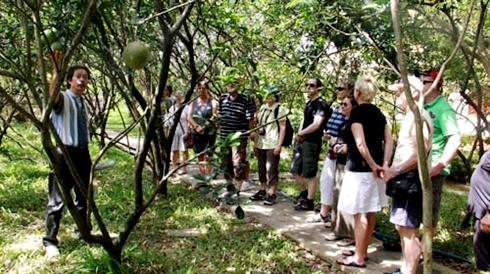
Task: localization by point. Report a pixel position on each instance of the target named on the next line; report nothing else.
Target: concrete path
(291, 224)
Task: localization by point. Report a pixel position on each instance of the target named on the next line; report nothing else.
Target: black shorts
(201, 142)
(306, 157)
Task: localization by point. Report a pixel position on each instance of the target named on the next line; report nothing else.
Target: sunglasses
(427, 82)
(308, 85)
(339, 88)
(344, 104)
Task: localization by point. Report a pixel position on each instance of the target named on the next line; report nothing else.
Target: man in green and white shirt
(446, 137)
(267, 146)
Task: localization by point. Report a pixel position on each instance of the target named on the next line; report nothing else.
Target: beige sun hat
(413, 81)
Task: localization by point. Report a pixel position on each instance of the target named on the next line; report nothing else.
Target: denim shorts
(407, 211)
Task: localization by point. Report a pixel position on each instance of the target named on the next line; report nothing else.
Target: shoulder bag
(404, 185)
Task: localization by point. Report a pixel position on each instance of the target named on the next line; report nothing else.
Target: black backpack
(288, 136)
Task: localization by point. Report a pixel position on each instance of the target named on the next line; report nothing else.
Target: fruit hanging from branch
(136, 55)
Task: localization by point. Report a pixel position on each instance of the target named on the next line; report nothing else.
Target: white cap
(414, 82)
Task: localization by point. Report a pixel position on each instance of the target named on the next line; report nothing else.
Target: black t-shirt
(342, 158)
(315, 107)
(373, 123)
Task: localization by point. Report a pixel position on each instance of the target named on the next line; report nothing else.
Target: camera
(261, 131)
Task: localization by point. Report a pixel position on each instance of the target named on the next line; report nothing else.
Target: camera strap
(261, 118)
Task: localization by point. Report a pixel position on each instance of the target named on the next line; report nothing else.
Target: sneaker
(303, 195)
(332, 237)
(181, 172)
(259, 196)
(245, 186)
(305, 205)
(270, 200)
(345, 242)
(51, 251)
(317, 218)
(227, 192)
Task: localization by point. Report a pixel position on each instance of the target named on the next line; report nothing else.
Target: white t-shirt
(169, 119)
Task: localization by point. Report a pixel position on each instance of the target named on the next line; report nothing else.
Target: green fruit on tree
(135, 55)
(56, 46)
(50, 36)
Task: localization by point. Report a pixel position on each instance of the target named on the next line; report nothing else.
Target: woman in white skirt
(370, 146)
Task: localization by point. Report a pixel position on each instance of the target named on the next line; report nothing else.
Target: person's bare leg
(301, 182)
(402, 243)
(185, 157)
(411, 248)
(361, 228)
(371, 224)
(272, 189)
(175, 157)
(324, 210)
(312, 188)
(202, 166)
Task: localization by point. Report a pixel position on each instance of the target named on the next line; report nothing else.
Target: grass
(218, 242)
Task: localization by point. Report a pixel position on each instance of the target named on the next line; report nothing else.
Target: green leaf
(204, 190)
(240, 214)
(233, 139)
(199, 177)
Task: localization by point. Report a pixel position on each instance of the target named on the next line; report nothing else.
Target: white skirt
(361, 192)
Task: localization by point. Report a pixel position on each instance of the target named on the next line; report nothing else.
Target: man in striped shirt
(236, 112)
(70, 119)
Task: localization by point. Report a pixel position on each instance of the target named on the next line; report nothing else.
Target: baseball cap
(433, 73)
(272, 90)
(413, 81)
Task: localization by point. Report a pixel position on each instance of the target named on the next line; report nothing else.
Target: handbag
(188, 140)
(404, 185)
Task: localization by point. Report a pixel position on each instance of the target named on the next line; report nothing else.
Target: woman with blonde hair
(370, 146)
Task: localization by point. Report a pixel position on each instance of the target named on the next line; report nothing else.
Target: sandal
(345, 261)
(349, 253)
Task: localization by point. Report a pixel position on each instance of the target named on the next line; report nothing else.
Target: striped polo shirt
(70, 119)
(235, 114)
(335, 121)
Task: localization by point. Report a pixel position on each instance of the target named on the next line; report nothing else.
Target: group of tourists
(360, 169)
(357, 168)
